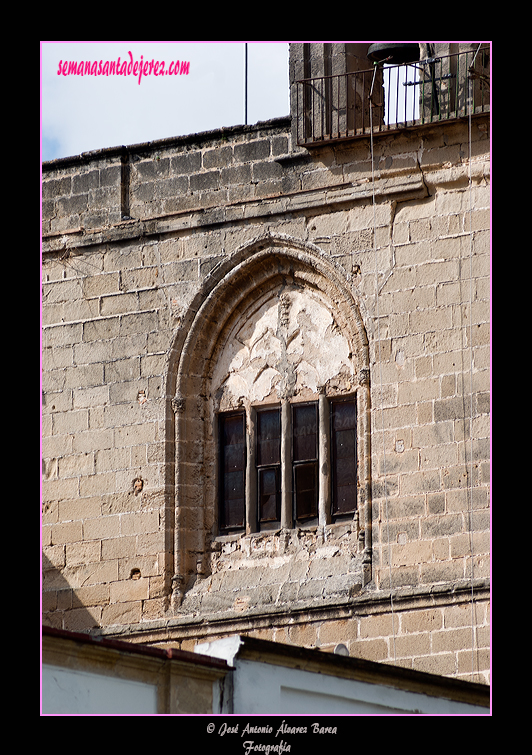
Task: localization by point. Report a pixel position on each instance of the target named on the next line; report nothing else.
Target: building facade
(84, 675)
(266, 381)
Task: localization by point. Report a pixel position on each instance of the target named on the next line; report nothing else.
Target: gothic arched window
(283, 389)
(271, 402)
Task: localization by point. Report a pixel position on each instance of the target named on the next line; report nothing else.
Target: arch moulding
(254, 270)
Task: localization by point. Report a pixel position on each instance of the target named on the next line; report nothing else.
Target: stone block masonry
(149, 246)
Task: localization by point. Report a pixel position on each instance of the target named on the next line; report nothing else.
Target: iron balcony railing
(400, 97)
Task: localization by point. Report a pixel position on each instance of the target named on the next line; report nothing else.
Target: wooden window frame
(227, 520)
(349, 475)
(305, 461)
(323, 467)
(269, 466)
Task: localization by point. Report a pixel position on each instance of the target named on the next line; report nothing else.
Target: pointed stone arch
(255, 270)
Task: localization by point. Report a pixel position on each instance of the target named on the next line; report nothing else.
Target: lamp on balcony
(394, 53)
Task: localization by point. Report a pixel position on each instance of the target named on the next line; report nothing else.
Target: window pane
(234, 514)
(269, 495)
(232, 471)
(345, 444)
(233, 458)
(233, 429)
(344, 415)
(269, 464)
(306, 490)
(269, 437)
(346, 499)
(233, 486)
(345, 473)
(343, 456)
(305, 430)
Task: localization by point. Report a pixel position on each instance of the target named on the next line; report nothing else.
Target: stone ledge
(175, 627)
(409, 186)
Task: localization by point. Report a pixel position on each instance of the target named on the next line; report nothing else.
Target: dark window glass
(305, 460)
(344, 456)
(305, 432)
(269, 464)
(232, 471)
(306, 490)
(305, 465)
(268, 437)
(269, 495)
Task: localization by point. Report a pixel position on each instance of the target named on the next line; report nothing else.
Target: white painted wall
(81, 692)
(262, 688)
(266, 688)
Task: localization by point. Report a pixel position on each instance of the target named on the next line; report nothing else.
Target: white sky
(81, 113)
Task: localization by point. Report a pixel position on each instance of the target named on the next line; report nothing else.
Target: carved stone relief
(288, 344)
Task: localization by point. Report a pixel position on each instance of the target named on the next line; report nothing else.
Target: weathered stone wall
(148, 246)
